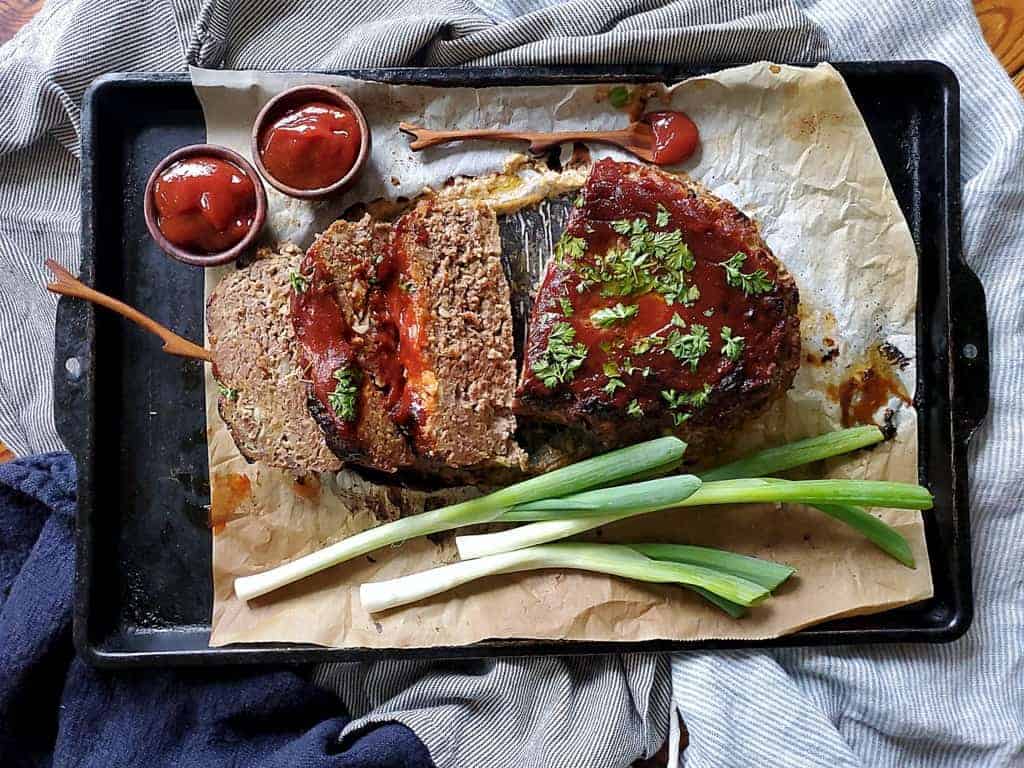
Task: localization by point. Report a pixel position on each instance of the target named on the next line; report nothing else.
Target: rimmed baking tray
(133, 415)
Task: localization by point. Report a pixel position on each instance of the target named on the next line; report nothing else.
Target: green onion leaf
(613, 559)
(878, 532)
(764, 572)
(773, 460)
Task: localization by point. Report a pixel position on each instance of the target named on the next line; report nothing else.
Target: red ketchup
(311, 147)
(675, 136)
(204, 204)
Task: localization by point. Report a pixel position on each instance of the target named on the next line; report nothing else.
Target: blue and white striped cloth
(955, 705)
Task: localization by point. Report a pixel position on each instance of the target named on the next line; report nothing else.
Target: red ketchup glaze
(311, 147)
(204, 204)
(403, 312)
(610, 195)
(675, 136)
(324, 338)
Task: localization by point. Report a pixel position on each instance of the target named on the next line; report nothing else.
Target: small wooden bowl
(192, 257)
(296, 97)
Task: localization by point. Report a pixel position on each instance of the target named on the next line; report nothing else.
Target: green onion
(613, 559)
(764, 572)
(772, 460)
(632, 499)
(735, 610)
(878, 532)
(610, 467)
(557, 519)
(874, 493)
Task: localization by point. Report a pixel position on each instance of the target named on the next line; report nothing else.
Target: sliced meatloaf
(449, 298)
(348, 344)
(262, 394)
(661, 309)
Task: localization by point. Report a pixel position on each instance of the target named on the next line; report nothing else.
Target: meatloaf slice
(348, 344)
(661, 309)
(450, 299)
(255, 360)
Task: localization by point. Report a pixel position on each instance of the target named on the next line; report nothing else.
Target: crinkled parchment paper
(789, 147)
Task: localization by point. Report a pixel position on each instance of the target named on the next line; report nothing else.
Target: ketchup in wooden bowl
(204, 204)
(310, 141)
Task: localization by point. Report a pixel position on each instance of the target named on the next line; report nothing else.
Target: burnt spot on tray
(894, 355)
(867, 389)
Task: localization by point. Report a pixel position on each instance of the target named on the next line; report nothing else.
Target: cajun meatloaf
(349, 346)
(262, 394)
(661, 309)
(406, 338)
(450, 300)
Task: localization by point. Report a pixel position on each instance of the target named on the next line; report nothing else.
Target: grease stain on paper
(227, 493)
(869, 387)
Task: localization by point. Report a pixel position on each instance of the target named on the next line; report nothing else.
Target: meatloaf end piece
(450, 298)
(349, 344)
(263, 397)
(662, 309)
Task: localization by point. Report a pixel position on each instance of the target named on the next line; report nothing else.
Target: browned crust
(255, 355)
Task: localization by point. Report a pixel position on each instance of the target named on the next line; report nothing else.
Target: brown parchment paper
(789, 147)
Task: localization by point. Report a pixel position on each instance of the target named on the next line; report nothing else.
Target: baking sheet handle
(72, 373)
(968, 349)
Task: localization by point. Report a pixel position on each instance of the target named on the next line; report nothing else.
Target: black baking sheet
(133, 416)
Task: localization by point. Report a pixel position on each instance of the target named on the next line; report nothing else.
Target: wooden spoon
(67, 285)
(637, 138)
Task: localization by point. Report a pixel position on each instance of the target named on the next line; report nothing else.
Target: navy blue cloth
(56, 710)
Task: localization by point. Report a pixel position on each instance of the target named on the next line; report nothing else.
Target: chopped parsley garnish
(674, 288)
(228, 393)
(299, 281)
(646, 344)
(345, 397)
(661, 219)
(677, 321)
(709, 312)
(628, 368)
(607, 317)
(566, 305)
(678, 400)
(618, 96)
(562, 357)
(610, 368)
(652, 261)
(689, 347)
(634, 409)
(613, 384)
(733, 346)
(570, 247)
(755, 282)
(407, 285)
(578, 202)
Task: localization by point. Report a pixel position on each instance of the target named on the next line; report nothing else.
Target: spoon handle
(67, 285)
(540, 141)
